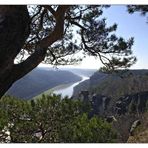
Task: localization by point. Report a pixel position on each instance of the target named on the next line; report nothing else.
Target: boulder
(85, 95)
(134, 126)
(111, 119)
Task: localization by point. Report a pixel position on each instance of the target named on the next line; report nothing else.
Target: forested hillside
(39, 80)
(115, 85)
(81, 72)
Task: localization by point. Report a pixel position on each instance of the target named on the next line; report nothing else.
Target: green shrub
(51, 119)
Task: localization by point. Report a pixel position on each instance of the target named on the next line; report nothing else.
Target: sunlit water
(68, 90)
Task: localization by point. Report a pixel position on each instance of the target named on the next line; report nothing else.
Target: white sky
(128, 26)
(90, 62)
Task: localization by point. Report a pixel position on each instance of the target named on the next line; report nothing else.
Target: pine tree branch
(38, 56)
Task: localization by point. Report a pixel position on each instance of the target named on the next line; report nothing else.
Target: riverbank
(68, 91)
(64, 89)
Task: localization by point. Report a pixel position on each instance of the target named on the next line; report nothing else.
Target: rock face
(98, 102)
(84, 95)
(135, 103)
(121, 99)
(124, 113)
(115, 85)
(102, 105)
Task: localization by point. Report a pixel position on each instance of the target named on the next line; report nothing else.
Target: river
(67, 90)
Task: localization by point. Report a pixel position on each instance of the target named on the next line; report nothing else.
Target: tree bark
(14, 30)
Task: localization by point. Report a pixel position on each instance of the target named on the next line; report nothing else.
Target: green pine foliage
(50, 119)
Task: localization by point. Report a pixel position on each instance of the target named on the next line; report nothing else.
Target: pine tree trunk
(4, 87)
(14, 30)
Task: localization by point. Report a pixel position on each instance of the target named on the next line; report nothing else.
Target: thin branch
(84, 42)
(73, 18)
(49, 8)
(41, 20)
(31, 39)
(52, 54)
(36, 13)
(38, 56)
(77, 24)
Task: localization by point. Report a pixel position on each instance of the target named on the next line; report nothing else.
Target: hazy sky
(131, 25)
(128, 26)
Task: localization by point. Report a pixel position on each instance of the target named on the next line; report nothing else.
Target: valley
(115, 97)
(43, 80)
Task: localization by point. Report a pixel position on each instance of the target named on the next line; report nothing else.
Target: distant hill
(81, 72)
(40, 80)
(115, 85)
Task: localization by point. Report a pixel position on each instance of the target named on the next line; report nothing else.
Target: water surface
(67, 90)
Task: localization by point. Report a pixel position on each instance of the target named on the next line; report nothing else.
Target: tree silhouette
(53, 34)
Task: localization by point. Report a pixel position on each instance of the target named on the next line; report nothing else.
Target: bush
(50, 119)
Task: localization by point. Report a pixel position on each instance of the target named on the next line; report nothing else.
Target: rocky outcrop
(135, 103)
(98, 102)
(102, 105)
(115, 85)
(84, 95)
(111, 119)
(134, 126)
(122, 101)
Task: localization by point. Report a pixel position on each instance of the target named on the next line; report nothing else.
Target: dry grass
(140, 138)
(141, 134)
